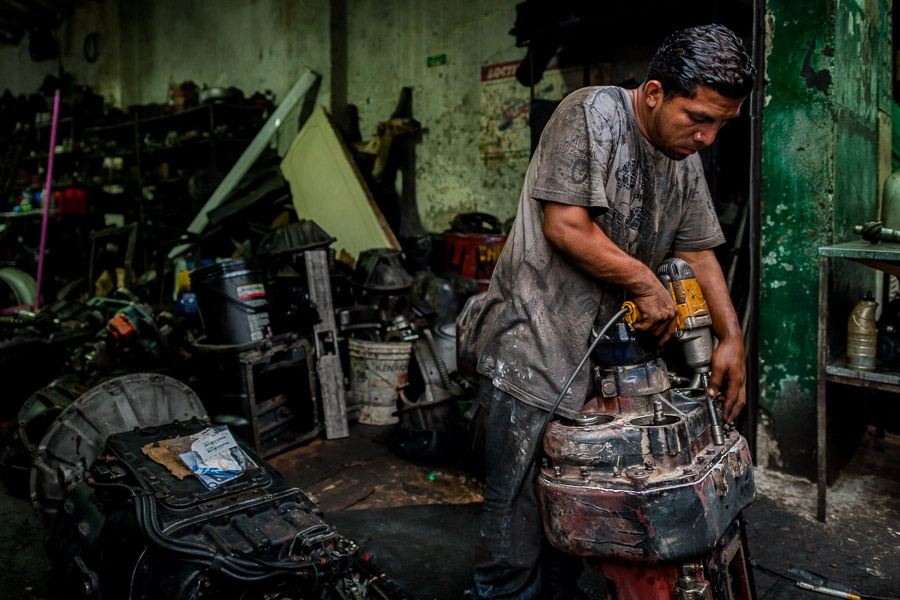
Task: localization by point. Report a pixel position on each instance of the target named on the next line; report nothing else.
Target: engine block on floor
(133, 530)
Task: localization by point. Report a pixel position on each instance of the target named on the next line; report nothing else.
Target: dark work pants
(511, 547)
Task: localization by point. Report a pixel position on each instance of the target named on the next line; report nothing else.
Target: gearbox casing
(97, 541)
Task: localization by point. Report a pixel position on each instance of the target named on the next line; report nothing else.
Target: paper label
(251, 290)
(209, 446)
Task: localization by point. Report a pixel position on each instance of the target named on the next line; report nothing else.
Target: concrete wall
(21, 75)
(822, 122)
(389, 44)
(255, 46)
(265, 44)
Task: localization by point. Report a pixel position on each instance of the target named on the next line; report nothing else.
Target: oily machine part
(648, 485)
(128, 521)
(132, 529)
(646, 482)
(79, 433)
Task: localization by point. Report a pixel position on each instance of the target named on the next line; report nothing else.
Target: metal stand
(328, 361)
(275, 421)
(884, 257)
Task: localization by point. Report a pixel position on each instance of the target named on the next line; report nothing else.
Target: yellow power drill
(693, 327)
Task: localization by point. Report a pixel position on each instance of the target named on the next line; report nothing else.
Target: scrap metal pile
(268, 344)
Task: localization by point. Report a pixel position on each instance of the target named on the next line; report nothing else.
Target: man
(614, 185)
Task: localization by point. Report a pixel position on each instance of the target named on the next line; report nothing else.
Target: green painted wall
(825, 65)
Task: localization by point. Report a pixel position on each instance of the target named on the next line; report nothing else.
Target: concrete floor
(418, 522)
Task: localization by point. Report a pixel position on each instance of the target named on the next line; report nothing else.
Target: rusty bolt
(584, 472)
(638, 473)
(701, 459)
(608, 388)
(710, 451)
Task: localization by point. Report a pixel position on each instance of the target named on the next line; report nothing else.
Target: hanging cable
(568, 384)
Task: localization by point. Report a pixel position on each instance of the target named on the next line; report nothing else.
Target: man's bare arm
(571, 231)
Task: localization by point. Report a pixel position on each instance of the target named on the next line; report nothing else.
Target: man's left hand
(728, 367)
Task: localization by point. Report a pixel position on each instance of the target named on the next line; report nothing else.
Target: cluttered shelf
(877, 254)
(202, 110)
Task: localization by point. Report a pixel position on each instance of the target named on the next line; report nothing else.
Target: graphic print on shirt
(579, 172)
(637, 178)
(634, 232)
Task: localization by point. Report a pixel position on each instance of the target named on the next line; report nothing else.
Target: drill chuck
(693, 326)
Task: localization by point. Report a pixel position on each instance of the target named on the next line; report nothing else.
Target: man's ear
(653, 93)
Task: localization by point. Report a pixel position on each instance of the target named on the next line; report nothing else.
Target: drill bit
(715, 427)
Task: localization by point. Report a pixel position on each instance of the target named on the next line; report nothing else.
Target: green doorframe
(822, 119)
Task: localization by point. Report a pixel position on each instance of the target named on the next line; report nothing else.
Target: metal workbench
(885, 257)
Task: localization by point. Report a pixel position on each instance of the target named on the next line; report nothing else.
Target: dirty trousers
(512, 558)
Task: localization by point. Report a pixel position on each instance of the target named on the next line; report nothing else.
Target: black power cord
(568, 384)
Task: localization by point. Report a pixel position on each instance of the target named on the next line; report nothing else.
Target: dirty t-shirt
(535, 325)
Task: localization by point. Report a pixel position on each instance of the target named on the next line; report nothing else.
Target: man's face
(681, 126)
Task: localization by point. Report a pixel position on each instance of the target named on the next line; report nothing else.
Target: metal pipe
(45, 201)
(754, 198)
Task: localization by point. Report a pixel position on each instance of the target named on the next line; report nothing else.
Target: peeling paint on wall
(21, 75)
(450, 176)
(820, 176)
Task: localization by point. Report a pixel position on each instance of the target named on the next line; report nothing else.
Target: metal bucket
(378, 371)
(231, 297)
(445, 340)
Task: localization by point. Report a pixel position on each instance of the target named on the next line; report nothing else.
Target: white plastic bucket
(378, 370)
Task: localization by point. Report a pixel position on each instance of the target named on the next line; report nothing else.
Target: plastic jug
(862, 335)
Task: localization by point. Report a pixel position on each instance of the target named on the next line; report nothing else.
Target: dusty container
(378, 371)
(473, 255)
(232, 302)
(862, 335)
(445, 340)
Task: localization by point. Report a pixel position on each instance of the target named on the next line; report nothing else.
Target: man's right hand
(657, 310)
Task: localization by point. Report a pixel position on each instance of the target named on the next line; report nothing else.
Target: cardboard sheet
(166, 453)
(327, 187)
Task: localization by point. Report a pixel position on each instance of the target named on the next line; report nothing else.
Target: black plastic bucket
(231, 298)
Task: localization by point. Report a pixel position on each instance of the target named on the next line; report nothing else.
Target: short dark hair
(707, 55)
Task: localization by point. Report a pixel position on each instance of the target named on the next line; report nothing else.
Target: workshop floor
(418, 522)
